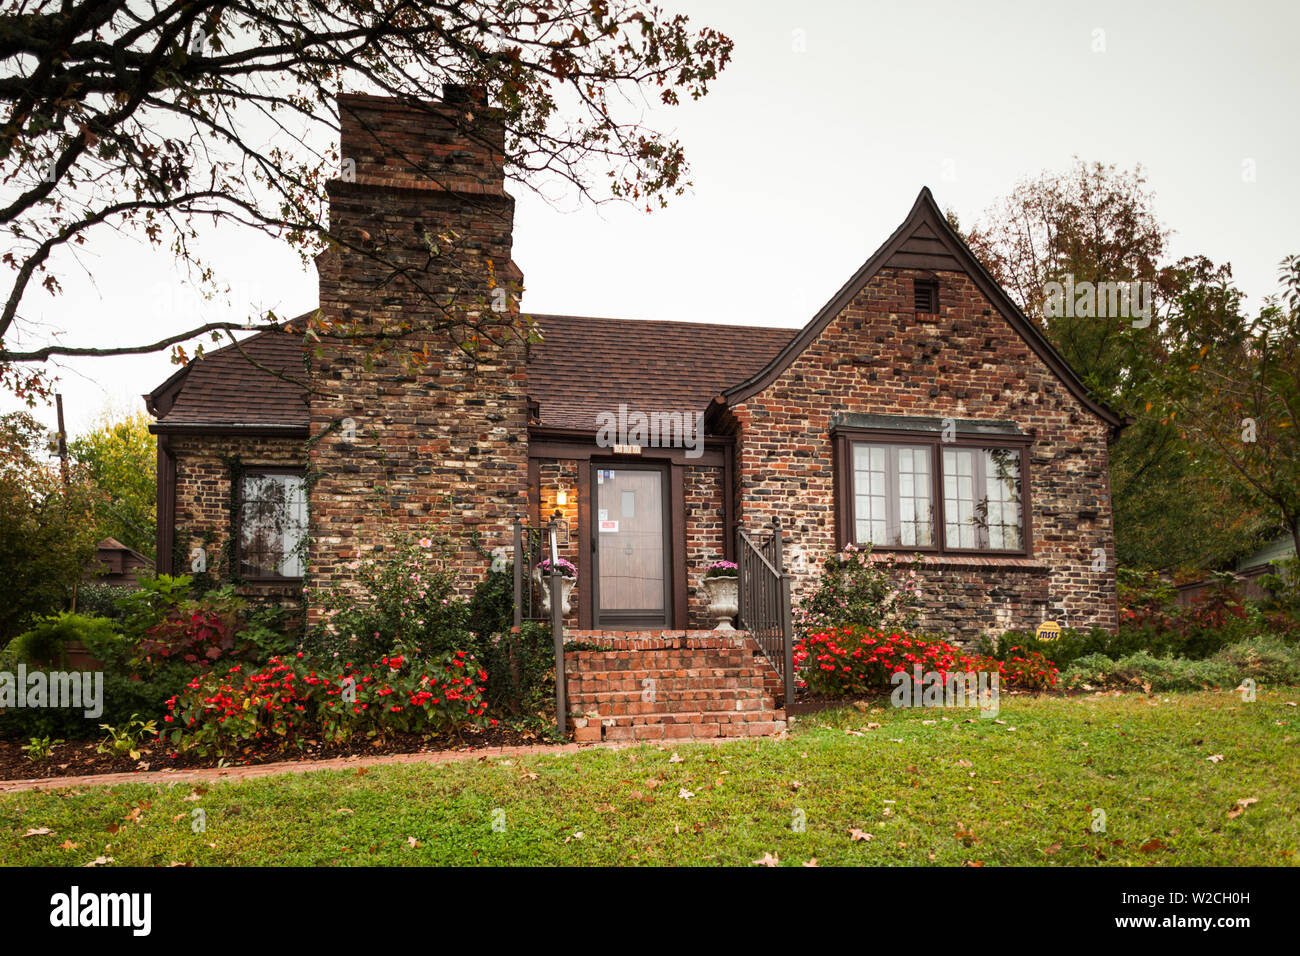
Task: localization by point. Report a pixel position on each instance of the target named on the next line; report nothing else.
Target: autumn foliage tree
(119, 455)
(1231, 384)
(159, 117)
(47, 528)
(1096, 223)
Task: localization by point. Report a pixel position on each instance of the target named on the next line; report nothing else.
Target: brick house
(919, 411)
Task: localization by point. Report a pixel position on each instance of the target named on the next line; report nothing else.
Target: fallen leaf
(767, 860)
(812, 862)
(685, 794)
(675, 758)
(1055, 847)
(1241, 806)
(1214, 758)
(412, 842)
(68, 845)
(858, 835)
(99, 861)
(1152, 845)
(36, 831)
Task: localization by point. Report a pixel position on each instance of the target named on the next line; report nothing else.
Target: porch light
(561, 497)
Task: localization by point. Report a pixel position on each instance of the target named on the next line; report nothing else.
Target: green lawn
(928, 786)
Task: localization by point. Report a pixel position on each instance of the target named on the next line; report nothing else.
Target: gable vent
(926, 296)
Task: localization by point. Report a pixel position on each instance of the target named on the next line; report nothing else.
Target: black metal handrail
(763, 588)
(529, 544)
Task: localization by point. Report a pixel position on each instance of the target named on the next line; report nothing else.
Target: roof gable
(924, 240)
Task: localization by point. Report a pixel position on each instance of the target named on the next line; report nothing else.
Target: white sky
(805, 160)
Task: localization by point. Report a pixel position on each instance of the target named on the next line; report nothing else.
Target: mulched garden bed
(77, 758)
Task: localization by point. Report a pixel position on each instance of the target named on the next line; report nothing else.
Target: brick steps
(669, 685)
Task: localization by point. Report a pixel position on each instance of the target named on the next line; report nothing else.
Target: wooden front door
(632, 572)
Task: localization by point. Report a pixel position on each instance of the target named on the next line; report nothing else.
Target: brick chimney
(419, 210)
(457, 145)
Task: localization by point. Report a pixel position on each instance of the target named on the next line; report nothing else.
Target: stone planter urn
(543, 585)
(724, 600)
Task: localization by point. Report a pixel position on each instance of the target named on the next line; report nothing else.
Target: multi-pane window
(272, 525)
(981, 499)
(892, 495)
(892, 490)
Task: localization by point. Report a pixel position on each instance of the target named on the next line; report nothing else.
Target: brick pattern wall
(203, 498)
(676, 685)
(705, 536)
(553, 475)
(441, 443)
(880, 357)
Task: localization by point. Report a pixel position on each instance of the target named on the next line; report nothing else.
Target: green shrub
(101, 600)
(404, 598)
(45, 645)
(520, 669)
(123, 697)
(854, 590)
(148, 605)
(1265, 660)
(492, 608)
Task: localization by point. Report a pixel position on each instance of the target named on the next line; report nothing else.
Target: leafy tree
(1231, 384)
(127, 115)
(120, 457)
(1097, 224)
(47, 531)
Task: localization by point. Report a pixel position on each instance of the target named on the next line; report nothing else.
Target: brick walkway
(300, 766)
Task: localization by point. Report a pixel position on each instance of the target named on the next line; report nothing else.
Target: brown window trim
(844, 437)
(244, 472)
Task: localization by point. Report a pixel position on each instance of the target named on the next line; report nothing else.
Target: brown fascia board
(159, 401)
(230, 428)
(924, 210)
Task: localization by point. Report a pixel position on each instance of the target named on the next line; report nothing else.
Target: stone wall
(425, 425)
(880, 357)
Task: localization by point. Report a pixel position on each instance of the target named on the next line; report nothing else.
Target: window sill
(1001, 562)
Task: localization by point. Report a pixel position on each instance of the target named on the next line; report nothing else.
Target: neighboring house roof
(581, 367)
(1279, 549)
(115, 563)
(925, 240)
(584, 366)
(256, 384)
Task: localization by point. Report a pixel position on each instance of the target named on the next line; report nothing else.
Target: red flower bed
(848, 661)
(278, 704)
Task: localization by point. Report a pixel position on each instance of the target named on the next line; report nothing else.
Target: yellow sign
(1048, 631)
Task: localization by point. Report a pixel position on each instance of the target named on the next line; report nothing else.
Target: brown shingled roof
(585, 366)
(256, 384)
(582, 367)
